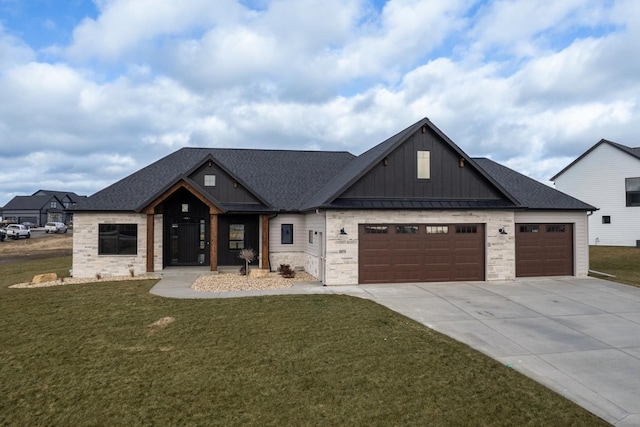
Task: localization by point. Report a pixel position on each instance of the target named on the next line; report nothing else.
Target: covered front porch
(187, 227)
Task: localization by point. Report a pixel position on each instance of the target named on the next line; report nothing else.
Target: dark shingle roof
(284, 179)
(303, 180)
(634, 152)
(528, 192)
(27, 202)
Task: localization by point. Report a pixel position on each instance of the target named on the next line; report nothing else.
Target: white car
(55, 227)
(17, 231)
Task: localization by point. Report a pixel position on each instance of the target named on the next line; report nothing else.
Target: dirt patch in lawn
(32, 249)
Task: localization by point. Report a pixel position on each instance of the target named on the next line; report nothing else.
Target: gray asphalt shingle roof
(283, 178)
(28, 202)
(288, 180)
(528, 192)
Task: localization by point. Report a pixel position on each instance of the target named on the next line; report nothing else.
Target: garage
(544, 250)
(405, 253)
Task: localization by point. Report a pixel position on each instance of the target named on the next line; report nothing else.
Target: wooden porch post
(213, 239)
(150, 232)
(265, 241)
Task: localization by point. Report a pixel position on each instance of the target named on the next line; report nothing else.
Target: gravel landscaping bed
(71, 281)
(225, 282)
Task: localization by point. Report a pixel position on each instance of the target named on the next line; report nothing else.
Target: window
(606, 219)
(185, 207)
(236, 236)
(466, 229)
(66, 205)
(437, 229)
(376, 229)
(286, 234)
(424, 165)
(554, 228)
(209, 180)
(311, 236)
(406, 229)
(529, 229)
(632, 186)
(53, 204)
(117, 239)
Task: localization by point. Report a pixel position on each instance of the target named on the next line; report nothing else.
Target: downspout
(323, 254)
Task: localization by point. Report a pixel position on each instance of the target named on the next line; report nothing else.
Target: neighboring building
(41, 207)
(414, 208)
(607, 176)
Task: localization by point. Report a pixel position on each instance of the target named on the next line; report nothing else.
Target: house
(607, 176)
(413, 208)
(41, 207)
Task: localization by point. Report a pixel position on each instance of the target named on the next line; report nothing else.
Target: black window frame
(632, 196)
(606, 219)
(286, 234)
(112, 239)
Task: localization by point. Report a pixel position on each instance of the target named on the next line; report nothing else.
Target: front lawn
(621, 261)
(112, 354)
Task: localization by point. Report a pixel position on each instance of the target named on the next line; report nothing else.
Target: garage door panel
(422, 253)
(544, 250)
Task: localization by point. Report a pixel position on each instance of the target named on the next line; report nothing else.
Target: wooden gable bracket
(150, 211)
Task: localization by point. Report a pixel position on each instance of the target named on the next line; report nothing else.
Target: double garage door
(404, 253)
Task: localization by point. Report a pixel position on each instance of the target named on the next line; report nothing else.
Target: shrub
(286, 271)
(247, 255)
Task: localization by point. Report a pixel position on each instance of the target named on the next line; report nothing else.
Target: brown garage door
(403, 253)
(544, 250)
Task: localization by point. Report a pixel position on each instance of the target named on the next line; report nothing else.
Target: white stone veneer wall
(87, 262)
(342, 250)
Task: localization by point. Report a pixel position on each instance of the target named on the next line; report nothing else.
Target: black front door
(236, 232)
(186, 230)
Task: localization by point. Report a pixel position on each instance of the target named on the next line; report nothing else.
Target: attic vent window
(424, 165)
(209, 180)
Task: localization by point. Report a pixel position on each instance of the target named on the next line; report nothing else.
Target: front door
(186, 230)
(236, 232)
(189, 242)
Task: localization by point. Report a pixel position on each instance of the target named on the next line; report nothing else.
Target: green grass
(86, 355)
(622, 262)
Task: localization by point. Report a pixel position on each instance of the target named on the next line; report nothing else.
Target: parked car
(3, 234)
(17, 231)
(28, 224)
(55, 227)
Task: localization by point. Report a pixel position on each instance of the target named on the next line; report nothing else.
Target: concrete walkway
(578, 336)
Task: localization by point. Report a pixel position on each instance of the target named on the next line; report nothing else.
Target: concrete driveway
(578, 336)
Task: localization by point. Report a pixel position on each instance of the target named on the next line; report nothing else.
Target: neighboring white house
(607, 176)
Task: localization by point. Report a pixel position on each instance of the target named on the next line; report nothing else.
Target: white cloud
(527, 84)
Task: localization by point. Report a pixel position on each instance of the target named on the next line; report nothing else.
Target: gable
(226, 189)
(451, 176)
(614, 150)
(598, 163)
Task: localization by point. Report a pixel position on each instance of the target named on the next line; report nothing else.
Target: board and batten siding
(580, 233)
(599, 179)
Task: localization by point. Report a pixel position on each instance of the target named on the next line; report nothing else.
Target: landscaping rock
(258, 273)
(41, 278)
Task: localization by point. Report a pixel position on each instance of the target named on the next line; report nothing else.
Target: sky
(91, 91)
